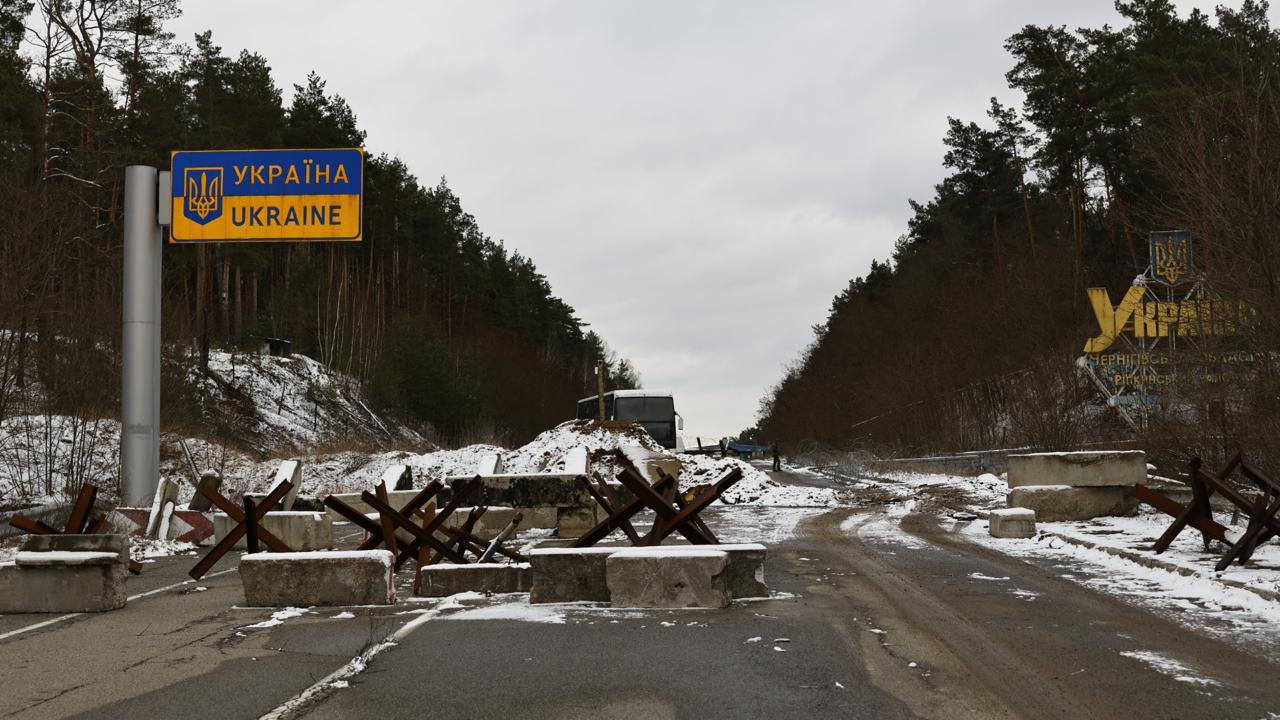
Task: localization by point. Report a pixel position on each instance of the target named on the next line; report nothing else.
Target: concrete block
(570, 574)
(291, 471)
(397, 499)
(527, 491)
(398, 477)
(208, 480)
(301, 531)
(66, 574)
(306, 579)
(744, 575)
(109, 543)
(446, 579)
(576, 461)
(490, 523)
(62, 588)
(689, 578)
(490, 464)
(1061, 503)
(1012, 523)
(1123, 468)
(572, 522)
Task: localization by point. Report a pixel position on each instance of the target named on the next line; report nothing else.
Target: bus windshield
(645, 408)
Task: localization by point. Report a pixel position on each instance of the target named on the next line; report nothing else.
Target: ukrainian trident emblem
(1171, 257)
(202, 188)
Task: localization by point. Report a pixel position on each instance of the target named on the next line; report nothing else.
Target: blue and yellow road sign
(267, 195)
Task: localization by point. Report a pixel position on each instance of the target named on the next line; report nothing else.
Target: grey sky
(698, 179)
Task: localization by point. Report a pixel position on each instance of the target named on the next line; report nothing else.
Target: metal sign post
(294, 195)
(140, 342)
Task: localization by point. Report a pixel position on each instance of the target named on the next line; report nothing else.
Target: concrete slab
(1012, 523)
(66, 574)
(448, 579)
(305, 579)
(397, 498)
(744, 575)
(570, 574)
(528, 490)
(1122, 468)
(1061, 503)
(687, 578)
(301, 531)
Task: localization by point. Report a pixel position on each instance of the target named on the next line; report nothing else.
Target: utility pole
(600, 388)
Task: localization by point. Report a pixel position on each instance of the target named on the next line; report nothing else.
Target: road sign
(267, 195)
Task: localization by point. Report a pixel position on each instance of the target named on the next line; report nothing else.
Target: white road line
(357, 665)
(131, 598)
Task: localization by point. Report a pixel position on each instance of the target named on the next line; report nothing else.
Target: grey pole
(139, 446)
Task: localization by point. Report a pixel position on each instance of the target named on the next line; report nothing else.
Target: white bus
(653, 411)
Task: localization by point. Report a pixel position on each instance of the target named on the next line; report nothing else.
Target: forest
(970, 335)
(446, 328)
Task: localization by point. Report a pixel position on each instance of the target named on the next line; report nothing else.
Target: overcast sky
(698, 179)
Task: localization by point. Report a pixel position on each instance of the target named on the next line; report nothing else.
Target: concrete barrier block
(688, 578)
(301, 531)
(570, 574)
(572, 522)
(1121, 468)
(306, 579)
(62, 588)
(446, 579)
(397, 498)
(1012, 523)
(527, 491)
(108, 543)
(744, 575)
(1062, 503)
(490, 523)
(66, 574)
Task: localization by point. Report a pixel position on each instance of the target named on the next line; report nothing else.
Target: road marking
(302, 700)
(131, 598)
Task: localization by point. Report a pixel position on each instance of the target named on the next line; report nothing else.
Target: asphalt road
(865, 625)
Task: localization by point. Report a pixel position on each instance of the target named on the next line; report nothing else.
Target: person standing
(777, 459)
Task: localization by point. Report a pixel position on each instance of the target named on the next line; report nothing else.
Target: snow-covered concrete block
(305, 579)
(570, 574)
(300, 530)
(66, 574)
(1121, 468)
(650, 578)
(576, 461)
(447, 579)
(490, 464)
(1012, 523)
(1061, 503)
(397, 477)
(289, 471)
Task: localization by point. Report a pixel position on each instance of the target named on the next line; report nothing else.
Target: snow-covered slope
(282, 404)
